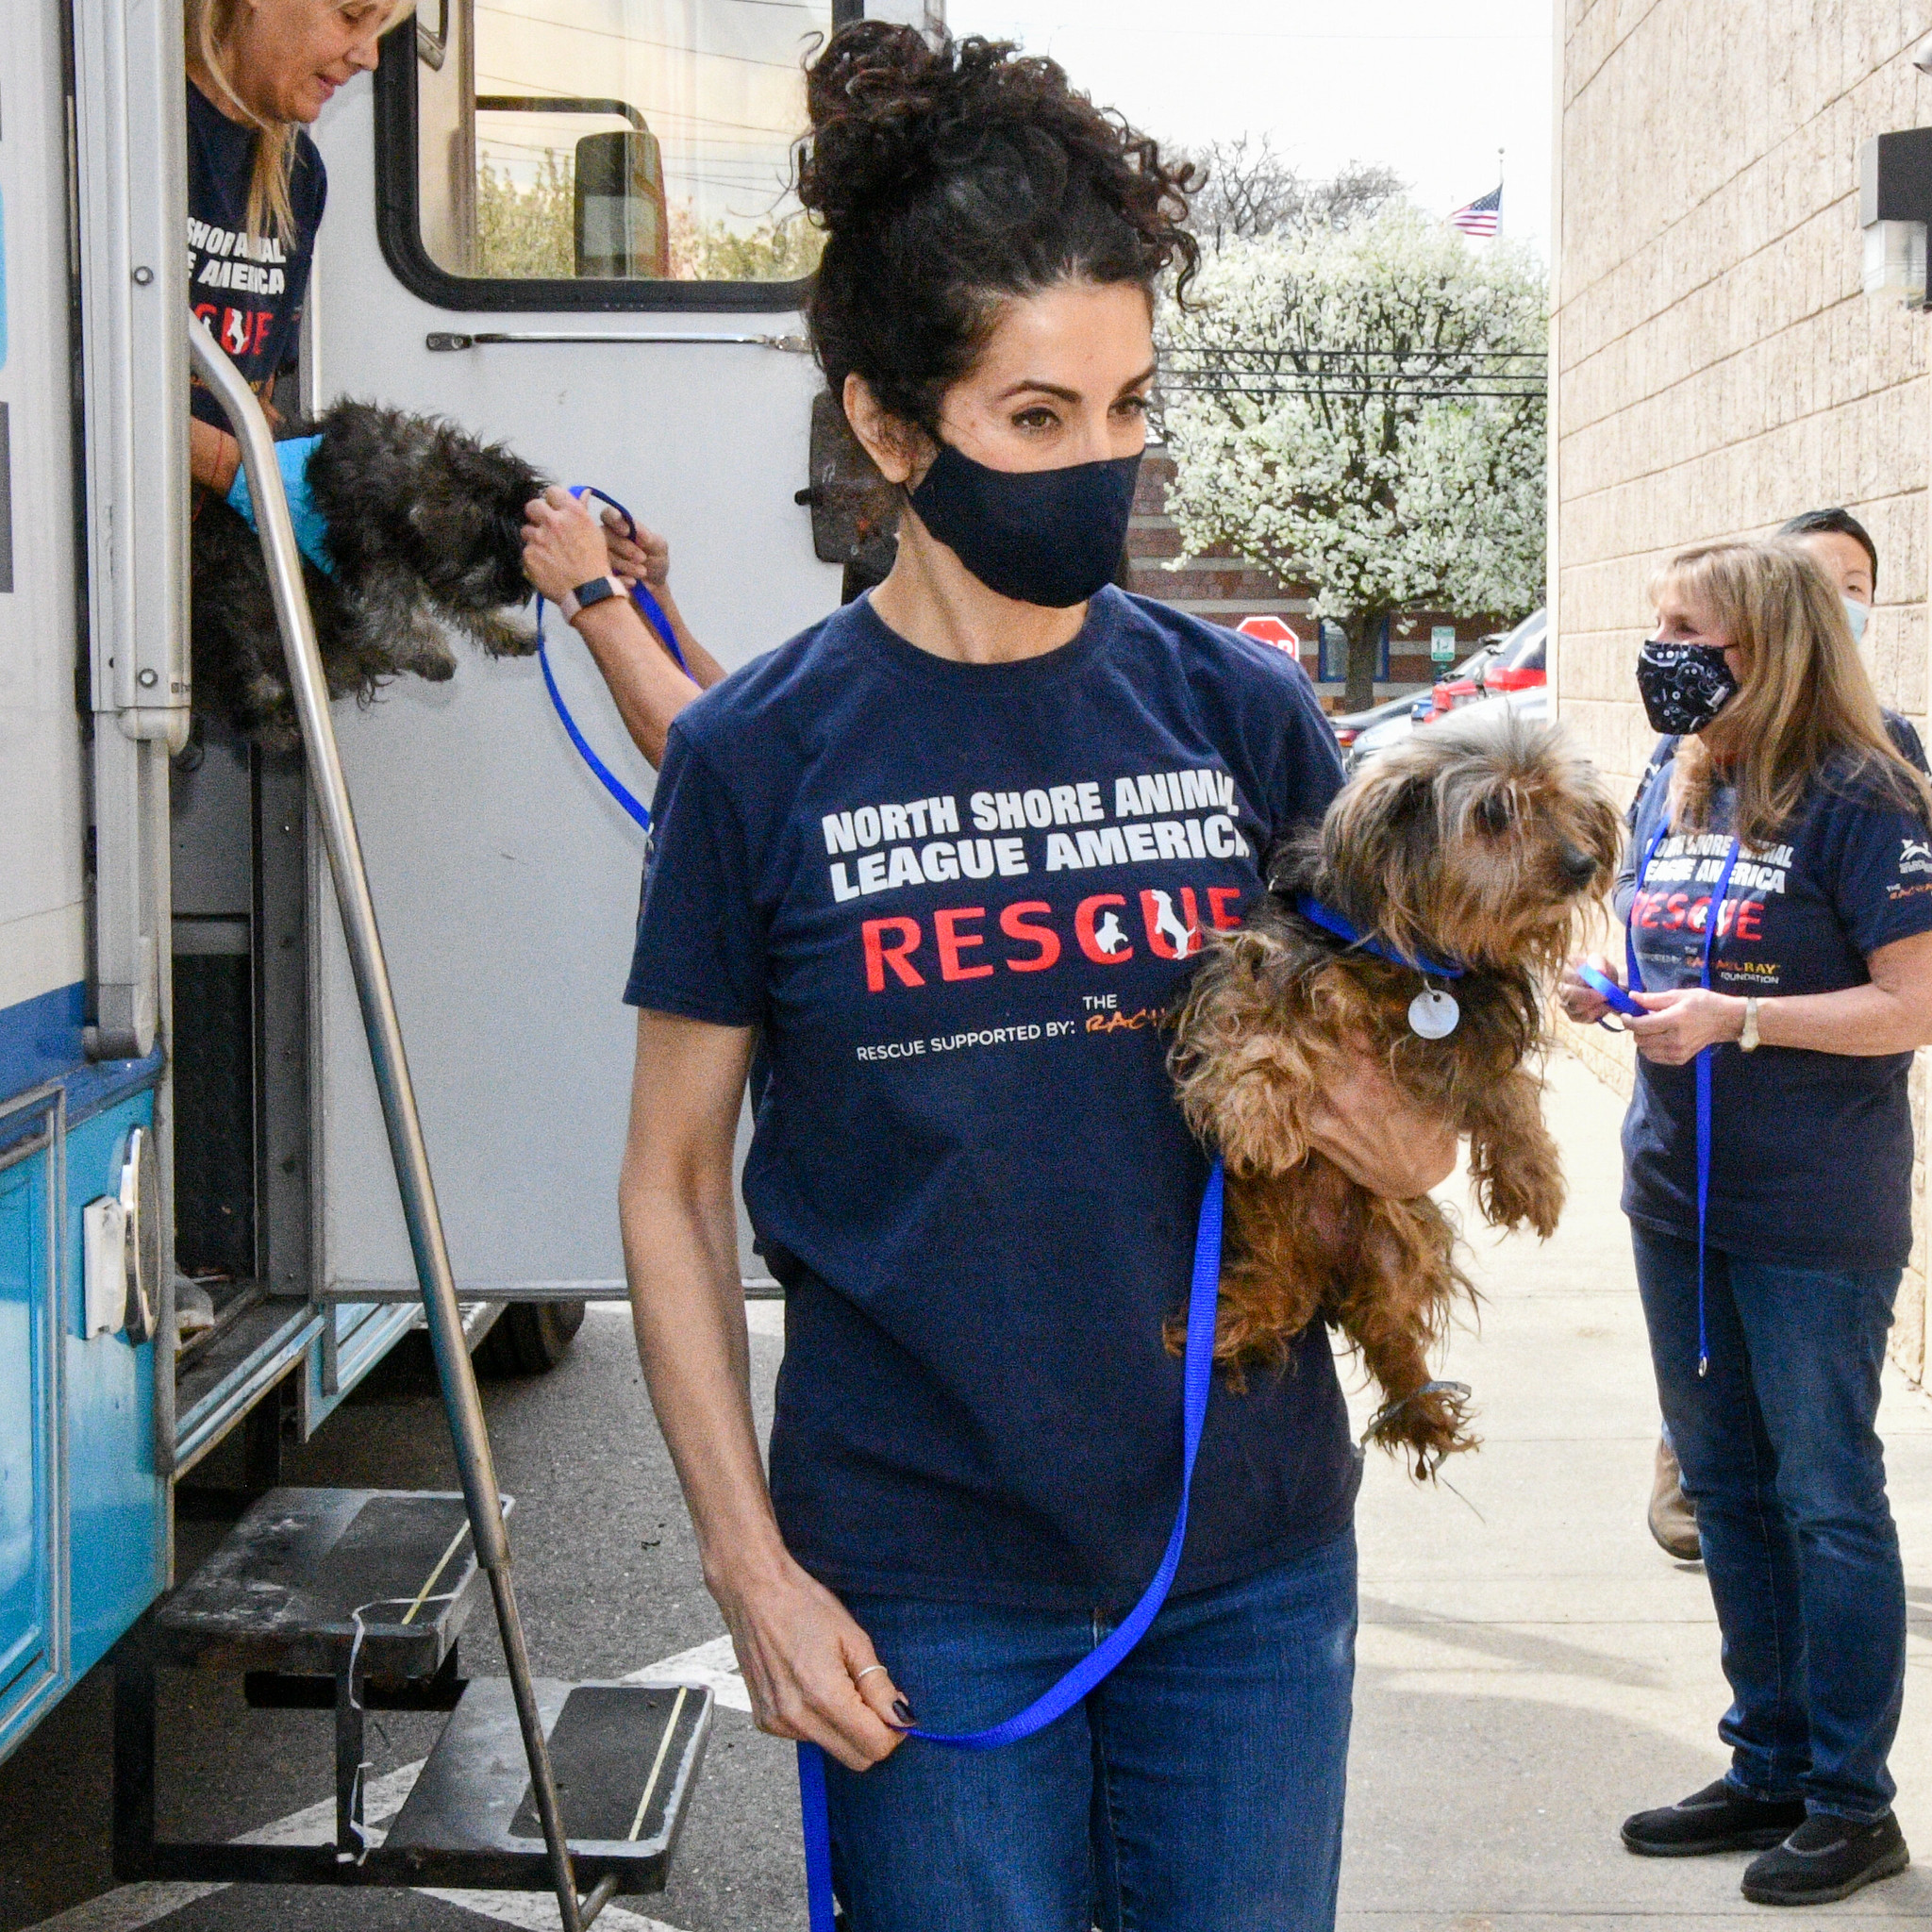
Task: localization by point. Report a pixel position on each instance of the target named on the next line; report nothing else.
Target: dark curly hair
(951, 175)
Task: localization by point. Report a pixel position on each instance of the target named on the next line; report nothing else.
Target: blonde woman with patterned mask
(1779, 903)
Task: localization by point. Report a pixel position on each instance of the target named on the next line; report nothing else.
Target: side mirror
(620, 226)
(855, 511)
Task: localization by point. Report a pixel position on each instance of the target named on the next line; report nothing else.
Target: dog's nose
(1577, 864)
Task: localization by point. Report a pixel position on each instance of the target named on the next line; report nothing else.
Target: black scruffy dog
(425, 528)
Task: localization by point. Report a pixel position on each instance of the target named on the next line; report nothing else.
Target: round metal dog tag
(1433, 1013)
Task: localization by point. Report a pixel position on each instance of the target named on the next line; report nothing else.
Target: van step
(626, 1757)
(306, 1572)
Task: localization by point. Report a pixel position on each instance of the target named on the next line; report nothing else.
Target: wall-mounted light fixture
(1894, 209)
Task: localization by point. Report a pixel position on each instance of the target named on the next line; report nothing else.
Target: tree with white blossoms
(1363, 411)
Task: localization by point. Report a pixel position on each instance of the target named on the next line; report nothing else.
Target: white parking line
(128, 1907)
(714, 1665)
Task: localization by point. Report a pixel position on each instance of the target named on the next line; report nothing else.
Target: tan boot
(1672, 1517)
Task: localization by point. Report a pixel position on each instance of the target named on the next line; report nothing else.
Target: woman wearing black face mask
(1779, 1032)
(950, 853)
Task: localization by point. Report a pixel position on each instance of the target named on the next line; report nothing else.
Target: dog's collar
(1329, 920)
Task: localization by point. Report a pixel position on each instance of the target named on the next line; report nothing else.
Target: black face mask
(1050, 537)
(1683, 686)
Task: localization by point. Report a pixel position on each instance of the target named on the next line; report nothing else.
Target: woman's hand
(802, 1657)
(563, 543)
(808, 1665)
(1580, 1001)
(1678, 1025)
(1378, 1138)
(644, 559)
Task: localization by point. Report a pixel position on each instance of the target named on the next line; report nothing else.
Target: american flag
(1484, 217)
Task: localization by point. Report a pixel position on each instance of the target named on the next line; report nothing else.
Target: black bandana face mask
(1683, 686)
(1048, 537)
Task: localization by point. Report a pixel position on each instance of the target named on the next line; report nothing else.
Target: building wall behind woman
(1716, 367)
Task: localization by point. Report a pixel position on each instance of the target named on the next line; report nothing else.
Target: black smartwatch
(585, 595)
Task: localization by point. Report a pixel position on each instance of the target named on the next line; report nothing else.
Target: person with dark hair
(947, 858)
(1843, 548)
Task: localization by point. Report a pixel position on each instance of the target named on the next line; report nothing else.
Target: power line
(605, 33)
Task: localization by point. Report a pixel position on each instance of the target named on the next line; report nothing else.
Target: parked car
(1515, 649)
(1520, 665)
(1379, 737)
(1349, 725)
(1464, 684)
(1529, 701)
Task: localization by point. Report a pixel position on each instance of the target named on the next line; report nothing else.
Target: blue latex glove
(312, 532)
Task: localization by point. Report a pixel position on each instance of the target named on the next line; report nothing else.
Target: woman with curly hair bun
(945, 858)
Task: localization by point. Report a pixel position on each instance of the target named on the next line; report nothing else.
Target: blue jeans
(1781, 1456)
(1198, 1788)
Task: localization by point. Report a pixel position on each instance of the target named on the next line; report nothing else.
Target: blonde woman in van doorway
(258, 72)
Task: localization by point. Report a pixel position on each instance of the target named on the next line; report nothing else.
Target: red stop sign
(1271, 630)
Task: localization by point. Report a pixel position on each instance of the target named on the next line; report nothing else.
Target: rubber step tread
(308, 1575)
(627, 1759)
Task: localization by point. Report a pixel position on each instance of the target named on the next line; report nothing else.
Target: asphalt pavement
(1531, 1666)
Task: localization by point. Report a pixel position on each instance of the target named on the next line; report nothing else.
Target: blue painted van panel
(116, 1503)
(41, 1037)
(28, 1645)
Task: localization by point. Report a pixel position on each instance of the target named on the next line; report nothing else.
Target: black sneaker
(1825, 1859)
(1720, 1818)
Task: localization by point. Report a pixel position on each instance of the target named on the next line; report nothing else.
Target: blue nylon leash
(1713, 914)
(653, 613)
(1197, 1377)
(1608, 992)
(1329, 920)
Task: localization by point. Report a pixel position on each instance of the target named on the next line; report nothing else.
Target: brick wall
(1224, 587)
(1715, 366)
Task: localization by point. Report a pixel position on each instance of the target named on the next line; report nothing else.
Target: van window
(588, 153)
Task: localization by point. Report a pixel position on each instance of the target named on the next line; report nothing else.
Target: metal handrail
(461, 1403)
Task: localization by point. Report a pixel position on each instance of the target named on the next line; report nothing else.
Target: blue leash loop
(1197, 1375)
(653, 613)
(1713, 913)
(1329, 920)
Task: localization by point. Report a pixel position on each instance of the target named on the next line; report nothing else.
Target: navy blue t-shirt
(1812, 1151)
(956, 899)
(248, 289)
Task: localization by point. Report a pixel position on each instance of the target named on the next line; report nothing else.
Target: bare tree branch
(1252, 191)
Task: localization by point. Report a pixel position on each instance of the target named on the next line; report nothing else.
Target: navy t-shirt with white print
(1812, 1151)
(956, 900)
(248, 289)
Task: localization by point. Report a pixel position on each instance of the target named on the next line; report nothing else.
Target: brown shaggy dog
(1479, 846)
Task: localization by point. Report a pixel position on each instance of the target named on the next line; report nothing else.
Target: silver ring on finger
(866, 1673)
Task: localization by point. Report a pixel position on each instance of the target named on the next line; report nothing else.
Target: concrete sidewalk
(1532, 1666)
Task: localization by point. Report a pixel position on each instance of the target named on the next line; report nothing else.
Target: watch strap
(593, 591)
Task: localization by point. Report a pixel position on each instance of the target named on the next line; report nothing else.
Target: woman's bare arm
(1894, 1014)
(214, 455)
(646, 686)
(800, 1651)
(646, 558)
(564, 545)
